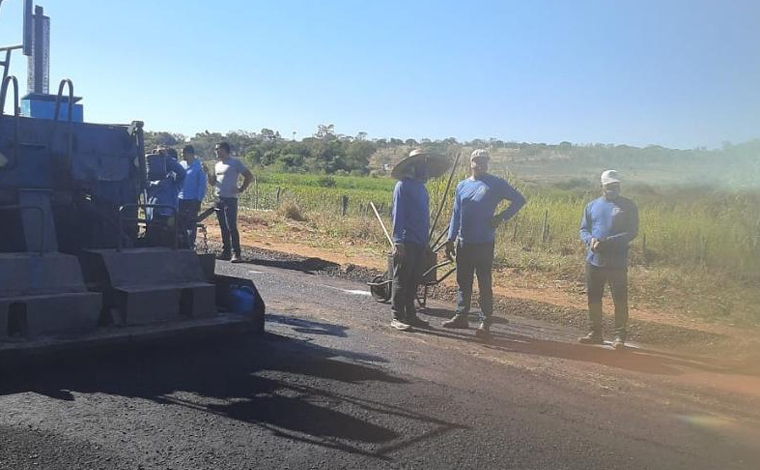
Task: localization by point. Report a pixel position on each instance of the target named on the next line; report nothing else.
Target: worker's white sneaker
(399, 325)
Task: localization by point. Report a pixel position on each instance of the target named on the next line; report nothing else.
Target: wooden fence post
(545, 230)
(343, 205)
(256, 193)
(514, 232)
(644, 248)
(277, 194)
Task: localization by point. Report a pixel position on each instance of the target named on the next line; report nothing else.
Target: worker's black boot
(224, 256)
(483, 331)
(416, 321)
(459, 321)
(594, 337)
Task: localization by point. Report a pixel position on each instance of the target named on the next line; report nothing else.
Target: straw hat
(437, 164)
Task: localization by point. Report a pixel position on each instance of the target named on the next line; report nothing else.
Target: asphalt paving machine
(75, 269)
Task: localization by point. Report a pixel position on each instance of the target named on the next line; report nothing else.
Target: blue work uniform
(165, 191)
(475, 202)
(411, 227)
(615, 223)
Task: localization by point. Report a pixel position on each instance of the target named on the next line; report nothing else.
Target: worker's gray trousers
(188, 221)
(407, 276)
(475, 259)
(226, 214)
(596, 278)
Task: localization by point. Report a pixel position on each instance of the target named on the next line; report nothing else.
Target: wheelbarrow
(381, 286)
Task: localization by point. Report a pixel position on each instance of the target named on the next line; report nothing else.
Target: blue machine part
(60, 155)
(42, 106)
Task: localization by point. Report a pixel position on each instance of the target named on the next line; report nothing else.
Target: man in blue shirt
(190, 197)
(411, 224)
(163, 190)
(608, 225)
(473, 227)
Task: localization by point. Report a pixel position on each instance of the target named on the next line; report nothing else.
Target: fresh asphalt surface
(331, 386)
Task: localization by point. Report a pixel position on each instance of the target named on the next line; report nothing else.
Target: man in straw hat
(411, 226)
(609, 224)
(471, 236)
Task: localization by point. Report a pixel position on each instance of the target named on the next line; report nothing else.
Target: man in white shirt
(224, 179)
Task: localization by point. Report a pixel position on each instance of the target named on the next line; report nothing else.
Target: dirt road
(331, 386)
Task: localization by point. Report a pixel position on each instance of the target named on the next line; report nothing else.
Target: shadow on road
(292, 388)
(305, 265)
(638, 360)
(309, 326)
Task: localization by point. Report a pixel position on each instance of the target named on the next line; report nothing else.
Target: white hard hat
(480, 153)
(610, 176)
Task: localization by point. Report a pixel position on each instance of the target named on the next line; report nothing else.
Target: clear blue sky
(676, 73)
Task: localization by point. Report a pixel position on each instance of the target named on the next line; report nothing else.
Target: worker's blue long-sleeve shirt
(194, 187)
(615, 223)
(475, 202)
(411, 212)
(165, 191)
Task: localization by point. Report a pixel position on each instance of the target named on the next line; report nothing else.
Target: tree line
(328, 152)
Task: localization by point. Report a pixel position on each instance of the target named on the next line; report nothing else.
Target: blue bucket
(242, 300)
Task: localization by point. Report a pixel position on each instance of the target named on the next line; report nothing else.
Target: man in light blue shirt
(471, 234)
(608, 225)
(190, 197)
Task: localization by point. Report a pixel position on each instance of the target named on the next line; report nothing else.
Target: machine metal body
(74, 269)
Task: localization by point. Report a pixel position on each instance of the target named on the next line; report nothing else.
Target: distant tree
(162, 139)
(325, 131)
(204, 143)
(358, 155)
(268, 135)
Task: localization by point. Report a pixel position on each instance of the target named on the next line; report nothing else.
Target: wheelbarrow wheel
(380, 289)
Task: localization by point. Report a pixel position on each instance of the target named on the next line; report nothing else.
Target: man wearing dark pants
(411, 224)
(473, 229)
(608, 225)
(227, 172)
(191, 196)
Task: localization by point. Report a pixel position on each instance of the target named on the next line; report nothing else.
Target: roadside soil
(516, 294)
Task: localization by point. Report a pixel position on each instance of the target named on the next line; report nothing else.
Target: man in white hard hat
(471, 234)
(609, 224)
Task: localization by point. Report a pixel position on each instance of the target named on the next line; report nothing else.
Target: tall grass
(702, 245)
(692, 228)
